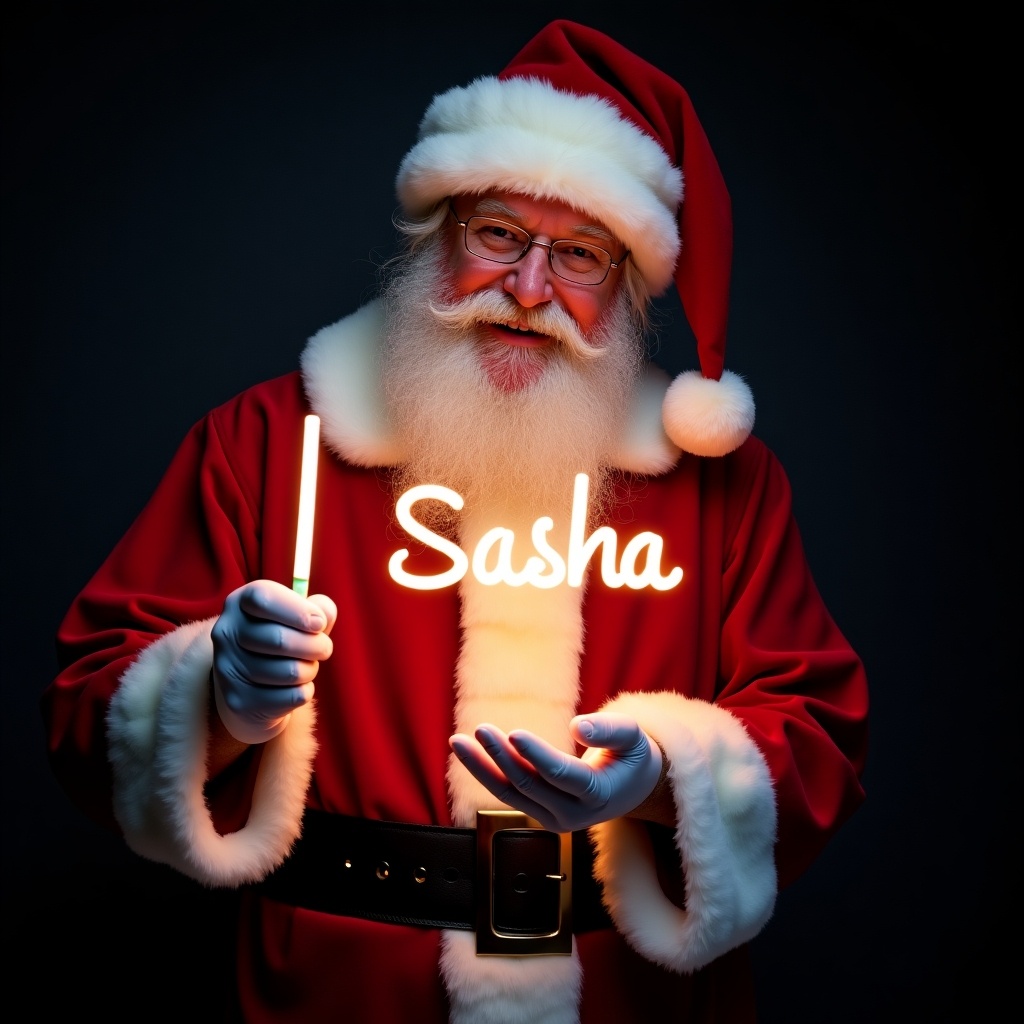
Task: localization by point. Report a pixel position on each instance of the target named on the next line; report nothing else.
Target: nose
(529, 280)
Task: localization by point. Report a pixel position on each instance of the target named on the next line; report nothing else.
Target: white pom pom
(708, 417)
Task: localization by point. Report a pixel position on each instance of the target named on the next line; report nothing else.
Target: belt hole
(450, 875)
(383, 870)
(420, 875)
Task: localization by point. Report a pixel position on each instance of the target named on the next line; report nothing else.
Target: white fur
(708, 417)
(509, 990)
(725, 835)
(157, 731)
(523, 135)
(341, 377)
(645, 447)
(518, 667)
(519, 662)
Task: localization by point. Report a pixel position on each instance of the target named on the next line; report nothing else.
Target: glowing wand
(307, 501)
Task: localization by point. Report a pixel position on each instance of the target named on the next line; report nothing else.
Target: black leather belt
(523, 889)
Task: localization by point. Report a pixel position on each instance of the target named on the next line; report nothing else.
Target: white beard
(505, 447)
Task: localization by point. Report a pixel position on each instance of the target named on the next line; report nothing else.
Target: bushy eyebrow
(496, 208)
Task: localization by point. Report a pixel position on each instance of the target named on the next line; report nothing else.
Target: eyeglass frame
(530, 243)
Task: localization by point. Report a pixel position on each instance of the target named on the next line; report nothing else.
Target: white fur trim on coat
(341, 375)
(518, 668)
(523, 135)
(507, 989)
(645, 447)
(341, 378)
(725, 835)
(157, 731)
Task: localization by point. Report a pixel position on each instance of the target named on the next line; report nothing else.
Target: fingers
(254, 714)
(517, 768)
(274, 602)
(270, 636)
(266, 672)
(527, 765)
(617, 771)
(281, 661)
(469, 751)
(266, 703)
(563, 772)
(484, 769)
(267, 647)
(278, 642)
(609, 730)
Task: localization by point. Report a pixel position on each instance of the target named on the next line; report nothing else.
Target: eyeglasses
(502, 242)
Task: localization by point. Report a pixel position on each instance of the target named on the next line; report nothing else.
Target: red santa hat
(578, 118)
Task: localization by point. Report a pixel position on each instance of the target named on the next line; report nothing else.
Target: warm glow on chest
(492, 560)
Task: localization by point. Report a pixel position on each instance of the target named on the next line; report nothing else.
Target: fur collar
(340, 373)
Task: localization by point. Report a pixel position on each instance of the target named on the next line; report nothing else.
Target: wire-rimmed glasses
(497, 240)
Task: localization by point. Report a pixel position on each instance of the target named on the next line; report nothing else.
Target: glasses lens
(502, 242)
(495, 239)
(577, 261)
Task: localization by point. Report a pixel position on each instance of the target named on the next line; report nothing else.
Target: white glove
(267, 647)
(617, 772)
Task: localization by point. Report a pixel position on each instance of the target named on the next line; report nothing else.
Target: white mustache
(489, 307)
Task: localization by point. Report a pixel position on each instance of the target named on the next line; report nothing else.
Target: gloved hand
(616, 773)
(267, 647)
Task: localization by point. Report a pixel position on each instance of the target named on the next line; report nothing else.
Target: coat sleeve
(763, 775)
(126, 716)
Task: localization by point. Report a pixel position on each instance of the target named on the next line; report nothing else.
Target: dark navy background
(192, 190)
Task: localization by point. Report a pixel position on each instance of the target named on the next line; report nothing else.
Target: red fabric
(746, 629)
(578, 59)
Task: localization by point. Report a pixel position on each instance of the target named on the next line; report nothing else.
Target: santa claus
(564, 782)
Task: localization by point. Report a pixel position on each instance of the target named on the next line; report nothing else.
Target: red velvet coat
(739, 672)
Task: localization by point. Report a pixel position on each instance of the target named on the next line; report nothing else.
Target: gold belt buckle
(490, 939)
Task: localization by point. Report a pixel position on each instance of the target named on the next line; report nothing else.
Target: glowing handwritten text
(492, 557)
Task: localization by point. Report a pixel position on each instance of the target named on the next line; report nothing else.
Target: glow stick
(307, 501)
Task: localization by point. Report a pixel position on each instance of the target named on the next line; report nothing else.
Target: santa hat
(576, 117)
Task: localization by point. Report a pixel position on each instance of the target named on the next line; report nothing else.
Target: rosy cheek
(467, 279)
(591, 310)
(460, 270)
(586, 314)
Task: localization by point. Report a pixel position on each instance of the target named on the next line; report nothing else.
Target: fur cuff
(157, 732)
(725, 835)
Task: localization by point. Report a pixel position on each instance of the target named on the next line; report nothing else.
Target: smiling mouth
(513, 334)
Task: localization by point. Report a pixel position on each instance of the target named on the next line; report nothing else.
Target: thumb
(608, 729)
(328, 607)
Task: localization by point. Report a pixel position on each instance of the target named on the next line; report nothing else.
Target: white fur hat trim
(524, 135)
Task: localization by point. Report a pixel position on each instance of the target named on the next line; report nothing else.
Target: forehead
(538, 216)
